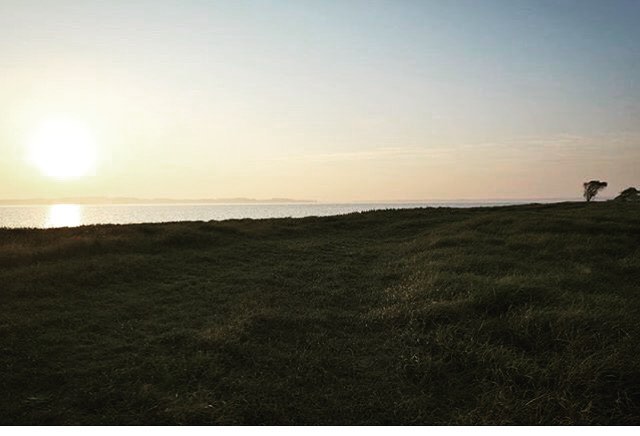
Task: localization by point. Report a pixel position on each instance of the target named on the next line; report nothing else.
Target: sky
(324, 100)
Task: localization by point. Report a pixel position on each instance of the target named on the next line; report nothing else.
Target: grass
(509, 315)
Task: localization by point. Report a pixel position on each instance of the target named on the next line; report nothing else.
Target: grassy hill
(523, 314)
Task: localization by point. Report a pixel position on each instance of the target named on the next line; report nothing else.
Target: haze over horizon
(323, 100)
(277, 200)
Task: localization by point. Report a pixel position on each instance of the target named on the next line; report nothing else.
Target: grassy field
(510, 315)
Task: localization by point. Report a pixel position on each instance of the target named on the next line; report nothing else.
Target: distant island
(133, 200)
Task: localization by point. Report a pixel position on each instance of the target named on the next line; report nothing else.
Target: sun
(62, 148)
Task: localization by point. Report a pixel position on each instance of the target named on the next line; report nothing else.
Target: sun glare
(62, 149)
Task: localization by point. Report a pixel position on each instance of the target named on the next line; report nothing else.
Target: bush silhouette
(629, 194)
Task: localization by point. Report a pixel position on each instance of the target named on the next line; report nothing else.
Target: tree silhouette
(592, 188)
(629, 194)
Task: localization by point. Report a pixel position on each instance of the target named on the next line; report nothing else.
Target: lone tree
(592, 188)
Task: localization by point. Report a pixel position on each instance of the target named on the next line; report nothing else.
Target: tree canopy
(592, 187)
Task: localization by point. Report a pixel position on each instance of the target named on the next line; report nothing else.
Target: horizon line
(100, 200)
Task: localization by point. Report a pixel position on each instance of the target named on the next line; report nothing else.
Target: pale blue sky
(333, 100)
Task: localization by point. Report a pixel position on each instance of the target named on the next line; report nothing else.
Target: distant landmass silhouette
(133, 200)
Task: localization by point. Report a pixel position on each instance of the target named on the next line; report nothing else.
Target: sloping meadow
(510, 315)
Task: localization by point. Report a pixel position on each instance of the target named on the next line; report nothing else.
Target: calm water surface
(71, 215)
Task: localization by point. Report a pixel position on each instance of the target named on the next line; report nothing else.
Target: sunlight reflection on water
(64, 215)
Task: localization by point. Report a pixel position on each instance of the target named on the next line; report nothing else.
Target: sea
(72, 215)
